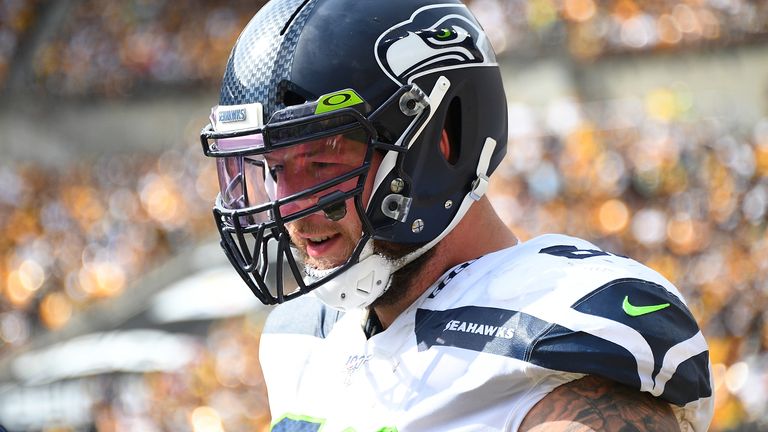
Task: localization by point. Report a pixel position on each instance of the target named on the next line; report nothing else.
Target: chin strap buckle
(480, 185)
(479, 188)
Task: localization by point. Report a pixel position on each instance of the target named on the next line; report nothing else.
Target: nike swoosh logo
(635, 311)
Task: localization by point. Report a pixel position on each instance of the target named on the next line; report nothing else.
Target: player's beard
(403, 278)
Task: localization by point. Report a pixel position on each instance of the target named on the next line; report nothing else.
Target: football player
(354, 140)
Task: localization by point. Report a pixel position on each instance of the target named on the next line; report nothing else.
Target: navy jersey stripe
(518, 335)
(524, 337)
(484, 329)
(565, 350)
(690, 379)
(562, 349)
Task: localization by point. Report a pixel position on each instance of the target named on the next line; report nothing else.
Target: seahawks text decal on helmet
(436, 37)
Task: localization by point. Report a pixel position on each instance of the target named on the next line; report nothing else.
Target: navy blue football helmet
(370, 88)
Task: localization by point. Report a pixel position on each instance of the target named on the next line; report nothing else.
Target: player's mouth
(322, 246)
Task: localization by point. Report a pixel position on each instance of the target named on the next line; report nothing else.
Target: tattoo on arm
(597, 404)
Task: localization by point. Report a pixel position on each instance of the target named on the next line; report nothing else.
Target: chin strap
(367, 280)
(361, 284)
(480, 185)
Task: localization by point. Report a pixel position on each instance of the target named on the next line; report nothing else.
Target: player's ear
(445, 147)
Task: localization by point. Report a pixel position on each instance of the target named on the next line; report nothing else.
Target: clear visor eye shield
(308, 159)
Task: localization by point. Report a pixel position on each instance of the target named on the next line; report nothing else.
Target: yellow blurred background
(642, 126)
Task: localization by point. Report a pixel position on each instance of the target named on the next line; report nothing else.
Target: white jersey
(486, 342)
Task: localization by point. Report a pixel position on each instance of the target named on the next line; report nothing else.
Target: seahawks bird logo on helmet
(432, 40)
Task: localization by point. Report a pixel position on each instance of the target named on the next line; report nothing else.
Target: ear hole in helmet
(453, 129)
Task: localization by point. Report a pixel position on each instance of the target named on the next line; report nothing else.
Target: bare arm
(597, 404)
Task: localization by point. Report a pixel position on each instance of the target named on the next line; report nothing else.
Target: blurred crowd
(82, 233)
(645, 178)
(112, 47)
(16, 17)
(591, 28)
(221, 390)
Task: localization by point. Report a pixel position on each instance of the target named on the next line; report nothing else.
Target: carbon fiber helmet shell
(309, 48)
(293, 52)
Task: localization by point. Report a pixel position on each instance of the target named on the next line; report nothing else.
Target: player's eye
(274, 170)
(324, 170)
(323, 165)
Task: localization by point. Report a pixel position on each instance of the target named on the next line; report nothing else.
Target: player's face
(322, 243)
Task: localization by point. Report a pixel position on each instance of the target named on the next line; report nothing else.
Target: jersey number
(569, 251)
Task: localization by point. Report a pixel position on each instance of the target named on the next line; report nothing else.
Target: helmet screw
(397, 185)
(343, 296)
(417, 226)
(448, 204)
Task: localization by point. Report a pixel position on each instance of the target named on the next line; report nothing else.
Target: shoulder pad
(634, 332)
